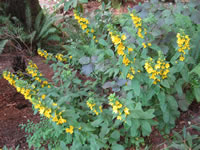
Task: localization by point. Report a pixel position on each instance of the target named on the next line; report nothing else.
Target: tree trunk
(25, 10)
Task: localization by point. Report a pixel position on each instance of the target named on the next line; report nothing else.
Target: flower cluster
(83, 22)
(46, 55)
(157, 70)
(91, 105)
(183, 42)
(43, 53)
(32, 69)
(117, 107)
(60, 57)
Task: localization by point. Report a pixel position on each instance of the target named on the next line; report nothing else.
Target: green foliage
(119, 78)
(185, 140)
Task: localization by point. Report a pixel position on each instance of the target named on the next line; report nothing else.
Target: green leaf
(178, 86)
(172, 102)
(115, 135)
(117, 147)
(196, 92)
(196, 70)
(104, 130)
(63, 145)
(166, 116)
(165, 83)
(103, 42)
(134, 128)
(146, 128)
(110, 52)
(97, 122)
(83, 1)
(136, 87)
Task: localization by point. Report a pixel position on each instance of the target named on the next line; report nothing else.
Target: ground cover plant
(140, 70)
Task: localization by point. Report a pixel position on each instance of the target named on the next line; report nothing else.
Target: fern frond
(2, 45)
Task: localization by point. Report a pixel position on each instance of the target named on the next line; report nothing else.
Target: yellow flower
(149, 44)
(84, 26)
(119, 117)
(70, 57)
(144, 45)
(41, 110)
(126, 61)
(126, 111)
(55, 118)
(47, 113)
(70, 129)
(43, 96)
(130, 49)
(181, 58)
(92, 30)
(130, 76)
(116, 40)
(123, 37)
(100, 108)
(61, 120)
(167, 65)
